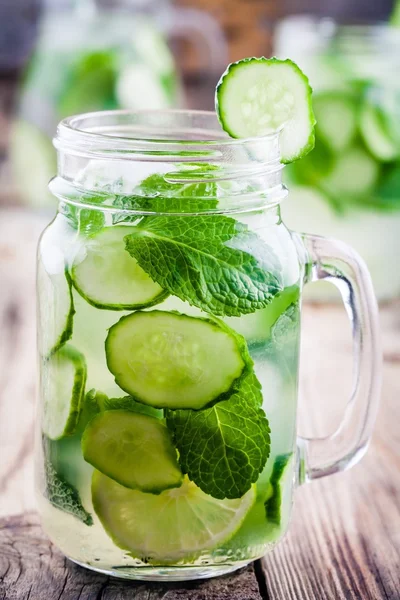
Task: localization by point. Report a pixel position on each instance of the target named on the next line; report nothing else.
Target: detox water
(91, 517)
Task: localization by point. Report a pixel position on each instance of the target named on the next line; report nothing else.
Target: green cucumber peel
(249, 88)
(69, 414)
(274, 501)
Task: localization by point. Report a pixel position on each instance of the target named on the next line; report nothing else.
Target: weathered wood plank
(32, 569)
(344, 539)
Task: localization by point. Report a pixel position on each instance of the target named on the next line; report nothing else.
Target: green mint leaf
(223, 449)
(155, 194)
(64, 496)
(206, 260)
(90, 85)
(84, 220)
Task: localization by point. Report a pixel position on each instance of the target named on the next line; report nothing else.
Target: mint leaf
(64, 496)
(155, 194)
(223, 449)
(84, 220)
(212, 261)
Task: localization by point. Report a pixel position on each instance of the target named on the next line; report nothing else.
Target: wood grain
(31, 568)
(344, 540)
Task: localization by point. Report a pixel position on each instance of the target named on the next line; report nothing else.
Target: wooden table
(344, 540)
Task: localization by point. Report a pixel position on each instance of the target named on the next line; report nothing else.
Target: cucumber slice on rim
(376, 135)
(108, 277)
(336, 119)
(178, 524)
(258, 96)
(55, 324)
(133, 449)
(171, 360)
(280, 490)
(63, 387)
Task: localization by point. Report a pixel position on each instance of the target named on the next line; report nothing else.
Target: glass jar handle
(338, 263)
(200, 29)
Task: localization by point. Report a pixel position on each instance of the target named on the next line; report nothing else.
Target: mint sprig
(211, 261)
(156, 194)
(64, 496)
(223, 449)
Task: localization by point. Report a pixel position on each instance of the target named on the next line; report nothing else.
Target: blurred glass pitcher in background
(349, 186)
(97, 55)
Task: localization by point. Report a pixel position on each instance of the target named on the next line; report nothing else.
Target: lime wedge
(176, 525)
(259, 96)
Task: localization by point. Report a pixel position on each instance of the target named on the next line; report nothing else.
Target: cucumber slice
(133, 449)
(108, 277)
(354, 175)
(375, 132)
(171, 360)
(280, 489)
(175, 525)
(63, 387)
(336, 119)
(256, 327)
(139, 86)
(257, 96)
(33, 163)
(56, 322)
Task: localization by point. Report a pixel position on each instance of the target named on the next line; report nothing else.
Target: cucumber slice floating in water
(63, 387)
(280, 490)
(354, 175)
(257, 96)
(175, 525)
(133, 449)
(108, 277)
(171, 360)
(55, 324)
(375, 132)
(336, 119)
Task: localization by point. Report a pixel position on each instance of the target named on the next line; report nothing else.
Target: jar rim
(74, 125)
(184, 146)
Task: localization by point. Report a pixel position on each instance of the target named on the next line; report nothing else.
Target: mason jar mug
(169, 295)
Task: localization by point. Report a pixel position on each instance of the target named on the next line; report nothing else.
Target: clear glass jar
(169, 294)
(97, 55)
(349, 186)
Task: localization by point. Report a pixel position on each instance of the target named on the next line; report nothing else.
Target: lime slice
(176, 525)
(259, 96)
(63, 386)
(133, 449)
